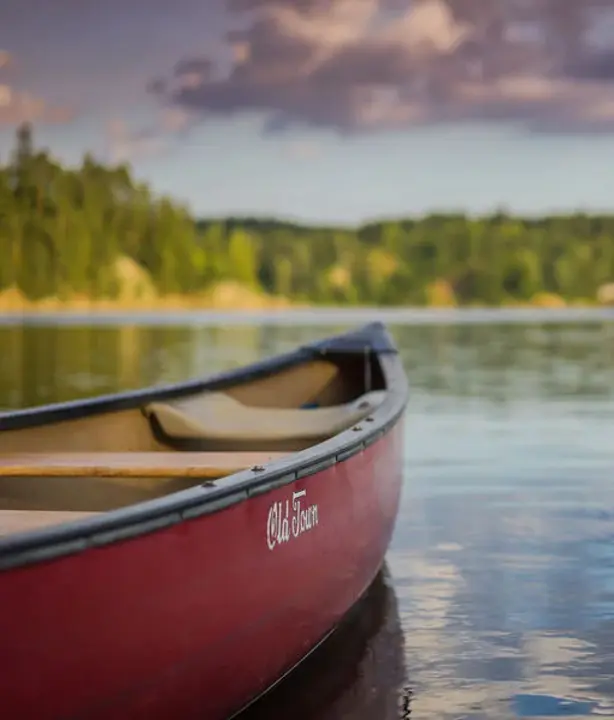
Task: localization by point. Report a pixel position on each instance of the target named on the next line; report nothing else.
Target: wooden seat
(140, 464)
(216, 416)
(13, 521)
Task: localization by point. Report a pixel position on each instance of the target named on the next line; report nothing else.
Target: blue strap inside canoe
(309, 405)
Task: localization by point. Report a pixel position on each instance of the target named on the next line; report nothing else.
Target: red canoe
(173, 552)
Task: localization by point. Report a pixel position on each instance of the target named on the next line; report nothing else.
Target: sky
(334, 111)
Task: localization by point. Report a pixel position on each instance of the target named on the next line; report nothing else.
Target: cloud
(17, 106)
(364, 65)
(126, 143)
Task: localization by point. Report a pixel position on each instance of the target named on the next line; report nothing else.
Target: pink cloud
(18, 106)
(127, 143)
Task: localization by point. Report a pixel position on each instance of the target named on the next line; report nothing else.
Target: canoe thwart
(128, 464)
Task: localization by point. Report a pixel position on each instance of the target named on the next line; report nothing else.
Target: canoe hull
(197, 619)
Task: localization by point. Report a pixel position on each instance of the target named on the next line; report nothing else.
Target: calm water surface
(498, 596)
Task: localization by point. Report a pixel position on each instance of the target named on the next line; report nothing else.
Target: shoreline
(282, 308)
(232, 297)
(306, 316)
(99, 307)
(236, 299)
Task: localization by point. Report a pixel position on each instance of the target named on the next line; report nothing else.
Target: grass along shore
(223, 296)
(136, 291)
(231, 296)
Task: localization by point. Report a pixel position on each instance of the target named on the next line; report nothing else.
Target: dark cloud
(361, 65)
(593, 66)
(201, 66)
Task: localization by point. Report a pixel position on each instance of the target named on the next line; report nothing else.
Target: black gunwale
(43, 544)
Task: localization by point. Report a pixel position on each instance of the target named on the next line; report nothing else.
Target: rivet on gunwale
(356, 428)
(257, 468)
(369, 419)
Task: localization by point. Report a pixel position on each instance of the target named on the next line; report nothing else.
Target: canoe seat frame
(198, 465)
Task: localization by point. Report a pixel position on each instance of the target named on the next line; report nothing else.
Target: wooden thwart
(138, 464)
(12, 521)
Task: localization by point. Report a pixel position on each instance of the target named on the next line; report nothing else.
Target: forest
(95, 233)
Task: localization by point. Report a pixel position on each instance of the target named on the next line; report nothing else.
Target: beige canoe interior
(68, 470)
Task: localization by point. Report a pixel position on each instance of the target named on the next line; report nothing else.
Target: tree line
(65, 232)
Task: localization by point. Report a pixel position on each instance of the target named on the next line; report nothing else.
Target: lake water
(497, 600)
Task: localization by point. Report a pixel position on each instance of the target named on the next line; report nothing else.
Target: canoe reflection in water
(357, 674)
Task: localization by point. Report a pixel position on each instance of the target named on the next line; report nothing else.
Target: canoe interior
(62, 471)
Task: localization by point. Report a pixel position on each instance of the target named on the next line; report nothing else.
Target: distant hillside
(95, 234)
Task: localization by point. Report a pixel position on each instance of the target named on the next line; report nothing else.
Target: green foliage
(65, 232)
